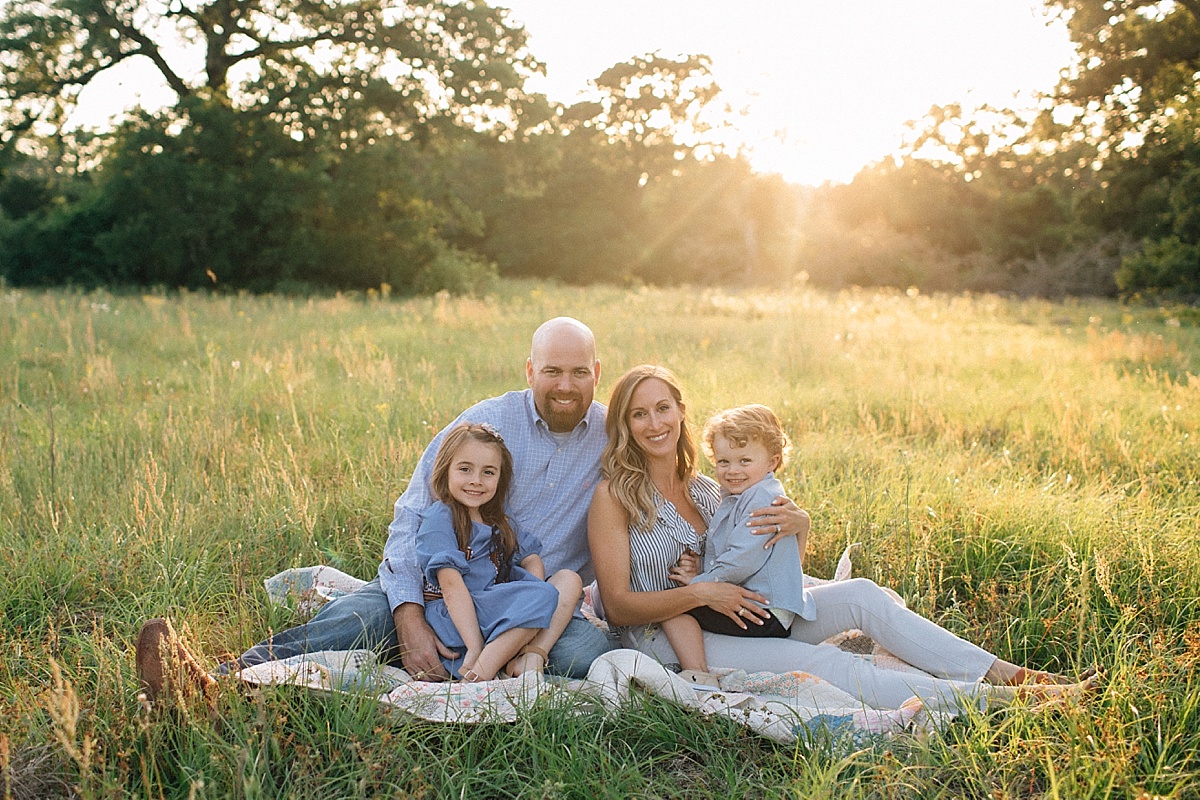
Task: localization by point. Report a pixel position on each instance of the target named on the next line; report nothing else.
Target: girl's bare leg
(532, 657)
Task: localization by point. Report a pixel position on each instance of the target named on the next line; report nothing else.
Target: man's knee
(580, 644)
(369, 605)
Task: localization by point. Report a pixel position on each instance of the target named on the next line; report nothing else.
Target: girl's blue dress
(524, 601)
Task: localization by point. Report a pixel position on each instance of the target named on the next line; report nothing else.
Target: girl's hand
(740, 605)
(781, 519)
(686, 568)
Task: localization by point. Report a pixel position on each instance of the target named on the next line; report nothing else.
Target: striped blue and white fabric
(652, 553)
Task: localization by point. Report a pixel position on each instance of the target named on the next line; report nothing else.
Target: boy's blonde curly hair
(749, 423)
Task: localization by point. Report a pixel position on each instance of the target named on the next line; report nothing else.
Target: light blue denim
(363, 619)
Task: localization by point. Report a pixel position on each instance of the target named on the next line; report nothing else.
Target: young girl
(485, 593)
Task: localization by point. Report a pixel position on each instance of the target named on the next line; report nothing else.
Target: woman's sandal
(1049, 693)
(1032, 677)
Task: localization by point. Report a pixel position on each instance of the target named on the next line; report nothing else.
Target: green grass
(1022, 471)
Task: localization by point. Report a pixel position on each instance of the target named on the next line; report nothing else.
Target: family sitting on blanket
(651, 504)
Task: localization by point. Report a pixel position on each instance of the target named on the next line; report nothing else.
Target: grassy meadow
(1024, 472)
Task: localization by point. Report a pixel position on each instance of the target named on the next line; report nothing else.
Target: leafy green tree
(298, 155)
(213, 197)
(631, 185)
(209, 197)
(310, 62)
(654, 109)
(979, 201)
(1135, 56)
(1139, 72)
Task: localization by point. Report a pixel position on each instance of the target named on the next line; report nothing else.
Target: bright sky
(827, 86)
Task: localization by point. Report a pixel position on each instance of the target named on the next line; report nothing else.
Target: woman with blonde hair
(652, 508)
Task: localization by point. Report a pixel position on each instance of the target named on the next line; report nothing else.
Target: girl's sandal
(528, 650)
(537, 651)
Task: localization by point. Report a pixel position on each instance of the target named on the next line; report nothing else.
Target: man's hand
(420, 647)
(781, 519)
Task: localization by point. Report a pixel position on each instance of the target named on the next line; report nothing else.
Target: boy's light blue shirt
(554, 476)
(732, 554)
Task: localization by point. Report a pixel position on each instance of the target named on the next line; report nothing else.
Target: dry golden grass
(1022, 471)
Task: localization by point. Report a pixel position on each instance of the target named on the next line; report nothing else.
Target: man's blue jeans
(363, 620)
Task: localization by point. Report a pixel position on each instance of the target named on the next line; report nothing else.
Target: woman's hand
(779, 520)
(740, 605)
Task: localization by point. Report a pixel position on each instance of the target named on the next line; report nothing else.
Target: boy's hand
(686, 568)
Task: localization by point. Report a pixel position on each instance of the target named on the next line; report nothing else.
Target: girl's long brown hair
(623, 462)
(504, 538)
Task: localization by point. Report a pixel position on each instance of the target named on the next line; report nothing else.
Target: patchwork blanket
(783, 707)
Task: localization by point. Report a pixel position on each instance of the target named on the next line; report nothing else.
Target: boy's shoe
(700, 679)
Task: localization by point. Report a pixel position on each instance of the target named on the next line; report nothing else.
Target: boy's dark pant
(716, 622)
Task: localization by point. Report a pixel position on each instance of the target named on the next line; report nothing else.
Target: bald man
(555, 430)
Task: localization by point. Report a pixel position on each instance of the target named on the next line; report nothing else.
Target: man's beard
(563, 418)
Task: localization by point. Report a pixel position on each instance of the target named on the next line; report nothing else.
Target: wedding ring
(777, 528)
(741, 612)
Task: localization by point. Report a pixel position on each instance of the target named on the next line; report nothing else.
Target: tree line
(353, 144)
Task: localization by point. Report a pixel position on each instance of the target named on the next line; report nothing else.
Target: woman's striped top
(652, 553)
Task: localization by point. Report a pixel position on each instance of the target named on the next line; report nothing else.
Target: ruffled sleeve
(528, 544)
(437, 546)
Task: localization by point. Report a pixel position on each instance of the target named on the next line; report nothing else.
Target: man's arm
(419, 646)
